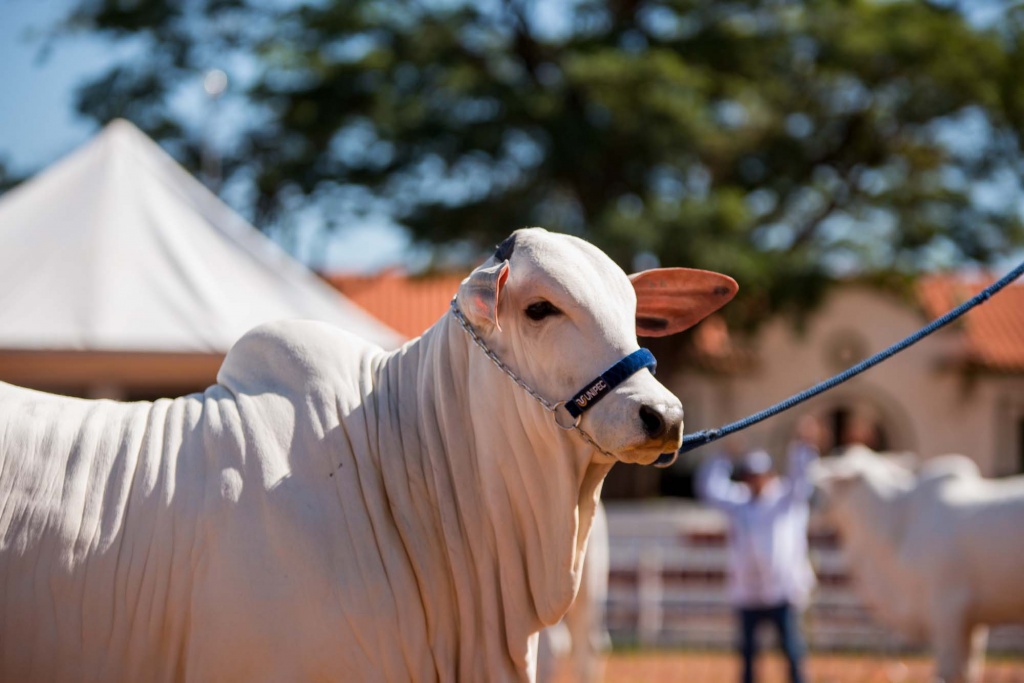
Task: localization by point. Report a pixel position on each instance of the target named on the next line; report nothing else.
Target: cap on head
(756, 463)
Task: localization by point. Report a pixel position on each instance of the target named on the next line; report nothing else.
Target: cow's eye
(541, 309)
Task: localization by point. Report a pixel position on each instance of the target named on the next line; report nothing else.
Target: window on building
(848, 428)
(838, 421)
(1018, 465)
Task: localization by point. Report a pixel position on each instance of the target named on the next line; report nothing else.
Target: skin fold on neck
(484, 467)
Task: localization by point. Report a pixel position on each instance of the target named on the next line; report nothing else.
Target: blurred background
(174, 172)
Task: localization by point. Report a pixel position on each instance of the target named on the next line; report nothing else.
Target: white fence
(667, 585)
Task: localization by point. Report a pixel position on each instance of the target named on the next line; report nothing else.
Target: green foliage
(778, 141)
(7, 178)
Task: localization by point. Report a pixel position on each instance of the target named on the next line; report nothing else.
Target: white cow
(936, 554)
(328, 511)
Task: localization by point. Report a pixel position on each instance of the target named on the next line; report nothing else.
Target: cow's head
(850, 485)
(560, 312)
(853, 480)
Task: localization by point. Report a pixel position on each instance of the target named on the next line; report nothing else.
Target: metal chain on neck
(548, 405)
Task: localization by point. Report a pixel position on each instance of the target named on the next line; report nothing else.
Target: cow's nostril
(654, 421)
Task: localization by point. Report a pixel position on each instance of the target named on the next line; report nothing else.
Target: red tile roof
(405, 303)
(715, 349)
(993, 332)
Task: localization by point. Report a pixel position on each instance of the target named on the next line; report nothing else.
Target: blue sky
(38, 124)
(37, 119)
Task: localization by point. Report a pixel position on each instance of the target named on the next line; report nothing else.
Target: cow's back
(988, 516)
(93, 543)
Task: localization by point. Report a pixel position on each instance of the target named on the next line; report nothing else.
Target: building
(960, 390)
(408, 304)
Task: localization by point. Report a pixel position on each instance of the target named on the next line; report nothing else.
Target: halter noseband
(603, 384)
(585, 398)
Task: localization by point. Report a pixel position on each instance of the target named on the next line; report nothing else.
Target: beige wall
(924, 405)
(110, 374)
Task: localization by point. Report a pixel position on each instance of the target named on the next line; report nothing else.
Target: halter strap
(609, 379)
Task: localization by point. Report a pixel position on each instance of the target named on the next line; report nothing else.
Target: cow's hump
(286, 357)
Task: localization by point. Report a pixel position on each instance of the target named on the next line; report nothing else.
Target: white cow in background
(331, 512)
(937, 554)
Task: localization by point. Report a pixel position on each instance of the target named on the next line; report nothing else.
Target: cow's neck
(480, 464)
(872, 534)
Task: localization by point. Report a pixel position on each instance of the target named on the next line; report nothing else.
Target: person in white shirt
(770, 576)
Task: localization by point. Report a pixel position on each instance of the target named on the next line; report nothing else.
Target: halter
(568, 414)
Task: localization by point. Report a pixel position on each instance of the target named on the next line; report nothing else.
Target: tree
(777, 140)
(7, 178)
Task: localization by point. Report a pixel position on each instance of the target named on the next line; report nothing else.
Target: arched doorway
(854, 415)
(848, 425)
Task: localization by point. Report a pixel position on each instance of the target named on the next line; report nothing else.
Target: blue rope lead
(706, 436)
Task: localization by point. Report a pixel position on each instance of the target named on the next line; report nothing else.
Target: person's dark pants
(784, 619)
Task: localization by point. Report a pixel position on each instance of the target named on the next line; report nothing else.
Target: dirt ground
(722, 667)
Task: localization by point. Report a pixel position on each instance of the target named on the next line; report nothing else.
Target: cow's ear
(832, 476)
(480, 293)
(669, 300)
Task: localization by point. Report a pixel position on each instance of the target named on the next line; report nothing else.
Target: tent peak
(123, 131)
(122, 127)
(117, 247)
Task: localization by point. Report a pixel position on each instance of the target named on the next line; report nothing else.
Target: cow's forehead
(865, 468)
(583, 271)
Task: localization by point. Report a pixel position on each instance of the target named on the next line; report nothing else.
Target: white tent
(116, 251)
